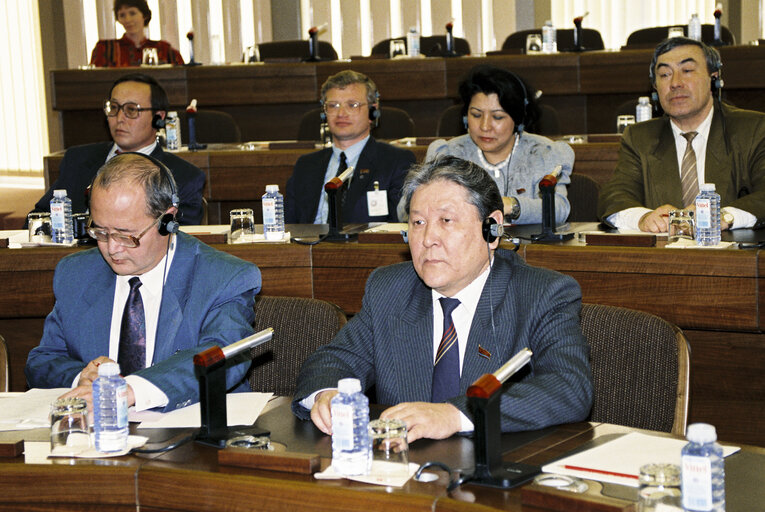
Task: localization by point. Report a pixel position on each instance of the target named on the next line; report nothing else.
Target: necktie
(132, 350)
(688, 177)
(446, 371)
(343, 164)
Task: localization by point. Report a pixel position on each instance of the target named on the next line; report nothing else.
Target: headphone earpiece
(168, 224)
(374, 114)
(465, 122)
(157, 122)
(405, 235)
(491, 229)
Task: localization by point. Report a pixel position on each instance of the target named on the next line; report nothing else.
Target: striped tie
(446, 370)
(688, 177)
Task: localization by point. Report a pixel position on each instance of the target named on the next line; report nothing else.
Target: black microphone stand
(547, 189)
(335, 215)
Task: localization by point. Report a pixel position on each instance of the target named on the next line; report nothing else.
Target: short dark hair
(482, 191)
(711, 55)
(141, 5)
(512, 92)
(348, 77)
(144, 171)
(159, 101)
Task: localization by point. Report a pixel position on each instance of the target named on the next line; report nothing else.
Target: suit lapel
(361, 176)
(97, 313)
(718, 165)
(663, 174)
(175, 293)
(412, 342)
(314, 182)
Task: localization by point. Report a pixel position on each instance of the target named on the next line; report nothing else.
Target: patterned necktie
(343, 164)
(132, 350)
(688, 177)
(446, 370)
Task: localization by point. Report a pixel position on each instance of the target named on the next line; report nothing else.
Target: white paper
(623, 456)
(242, 409)
(377, 203)
(378, 475)
(24, 411)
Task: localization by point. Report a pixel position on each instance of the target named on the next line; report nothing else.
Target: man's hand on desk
(656, 221)
(426, 420)
(86, 391)
(90, 372)
(321, 414)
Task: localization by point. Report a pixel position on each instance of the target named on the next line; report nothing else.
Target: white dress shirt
(352, 154)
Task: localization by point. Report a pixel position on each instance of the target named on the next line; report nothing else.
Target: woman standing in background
(134, 16)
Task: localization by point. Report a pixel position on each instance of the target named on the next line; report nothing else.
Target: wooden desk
(237, 178)
(268, 100)
(190, 478)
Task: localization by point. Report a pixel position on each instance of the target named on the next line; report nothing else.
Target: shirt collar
(146, 150)
(352, 152)
(498, 167)
(702, 129)
(471, 294)
(152, 281)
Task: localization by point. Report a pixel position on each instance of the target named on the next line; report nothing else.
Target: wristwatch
(727, 217)
(515, 211)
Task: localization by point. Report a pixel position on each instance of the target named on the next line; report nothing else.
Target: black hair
(141, 5)
(159, 101)
(711, 55)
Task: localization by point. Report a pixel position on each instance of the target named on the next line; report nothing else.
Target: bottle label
(703, 213)
(57, 216)
(697, 483)
(342, 427)
(269, 210)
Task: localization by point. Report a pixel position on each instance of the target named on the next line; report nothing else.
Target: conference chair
(295, 49)
(430, 46)
(591, 39)
(301, 325)
(211, 126)
(583, 193)
(651, 36)
(640, 369)
(3, 365)
(450, 123)
(394, 123)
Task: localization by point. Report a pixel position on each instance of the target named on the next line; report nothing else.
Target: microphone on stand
(313, 42)
(578, 43)
(547, 190)
(718, 25)
(191, 114)
(450, 51)
(335, 188)
(190, 37)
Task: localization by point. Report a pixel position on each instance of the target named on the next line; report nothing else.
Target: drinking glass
(397, 47)
(39, 227)
(242, 226)
(659, 488)
(622, 122)
(534, 43)
(675, 32)
(69, 426)
(390, 451)
(680, 225)
(150, 57)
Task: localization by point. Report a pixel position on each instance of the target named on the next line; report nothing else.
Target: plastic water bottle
(707, 216)
(62, 230)
(110, 409)
(413, 42)
(694, 27)
(703, 470)
(273, 213)
(549, 38)
(643, 111)
(173, 131)
(351, 444)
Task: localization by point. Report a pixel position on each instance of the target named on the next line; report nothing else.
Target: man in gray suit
(403, 340)
(663, 161)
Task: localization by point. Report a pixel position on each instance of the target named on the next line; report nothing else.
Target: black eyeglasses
(131, 110)
(129, 241)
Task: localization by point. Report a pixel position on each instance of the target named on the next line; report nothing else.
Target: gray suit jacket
(207, 300)
(389, 344)
(647, 173)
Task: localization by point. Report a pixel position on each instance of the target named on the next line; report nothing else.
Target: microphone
(578, 44)
(489, 383)
(190, 37)
(318, 30)
(718, 28)
(550, 180)
(215, 355)
(450, 39)
(337, 182)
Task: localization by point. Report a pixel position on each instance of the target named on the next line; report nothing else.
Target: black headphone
(157, 122)
(374, 112)
(168, 223)
(716, 83)
(520, 126)
(491, 229)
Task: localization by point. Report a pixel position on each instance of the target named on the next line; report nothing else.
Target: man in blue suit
(180, 296)
(351, 105)
(406, 328)
(135, 110)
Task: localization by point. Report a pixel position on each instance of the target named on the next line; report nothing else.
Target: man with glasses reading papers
(135, 110)
(149, 297)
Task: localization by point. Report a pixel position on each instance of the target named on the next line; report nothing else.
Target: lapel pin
(483, 352)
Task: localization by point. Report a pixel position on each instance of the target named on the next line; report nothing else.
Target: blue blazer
(208, 300)
(81, 163)
(378, 161)
(389, 344)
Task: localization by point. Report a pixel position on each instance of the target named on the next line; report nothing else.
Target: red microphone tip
(449, 26)
(190, 35)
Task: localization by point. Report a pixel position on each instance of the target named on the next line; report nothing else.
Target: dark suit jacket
(389, 344)
(378, 161)
(647, 173)
(207, 300)
(81, 163)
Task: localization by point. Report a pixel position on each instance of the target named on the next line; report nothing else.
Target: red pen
(600, 472)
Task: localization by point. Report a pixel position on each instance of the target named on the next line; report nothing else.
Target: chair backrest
(3, 366)
(651, 36)
(394, 123)
(211, 126)
(430, 46)
(295, 49)
(583, 193)
(591, 39)
(301, 325)
(640, 369)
